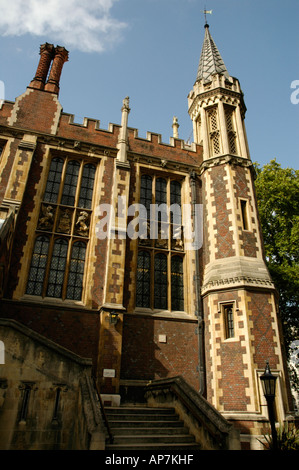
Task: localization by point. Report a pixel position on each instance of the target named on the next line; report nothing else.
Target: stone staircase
(146, 428)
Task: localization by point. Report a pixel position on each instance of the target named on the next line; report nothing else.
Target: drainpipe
(199, 312)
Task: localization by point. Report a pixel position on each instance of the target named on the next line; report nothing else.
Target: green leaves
(277, 191)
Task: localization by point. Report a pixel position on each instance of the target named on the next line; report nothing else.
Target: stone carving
(82, 226)
(64, 223)
(126, 104)
(177, 244)
(47, 218)
(162, 241)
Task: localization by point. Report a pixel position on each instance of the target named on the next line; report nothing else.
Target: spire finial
(205, 12)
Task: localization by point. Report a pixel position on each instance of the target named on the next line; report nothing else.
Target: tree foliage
(277, 191)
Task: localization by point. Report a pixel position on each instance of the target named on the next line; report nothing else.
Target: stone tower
(239, 300)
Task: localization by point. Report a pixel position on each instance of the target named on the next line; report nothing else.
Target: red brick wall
(74, 329)
(264, 342)
(37, 111)
(154, 148)
(242, 190)
(231, 369)
(144, 357)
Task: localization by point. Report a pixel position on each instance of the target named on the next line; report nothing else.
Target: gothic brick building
(85, 307)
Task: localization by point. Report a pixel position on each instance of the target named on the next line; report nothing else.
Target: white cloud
(87, 26)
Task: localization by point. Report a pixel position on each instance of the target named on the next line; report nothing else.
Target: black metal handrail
(111, 438)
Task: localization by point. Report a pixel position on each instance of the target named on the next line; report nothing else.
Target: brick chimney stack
(60, 57)
(47, 52)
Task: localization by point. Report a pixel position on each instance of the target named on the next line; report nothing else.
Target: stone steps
(145, 428)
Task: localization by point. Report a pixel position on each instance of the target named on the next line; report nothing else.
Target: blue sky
(150, 49)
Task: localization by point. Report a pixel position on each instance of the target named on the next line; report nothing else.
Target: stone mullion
(240, 133)
(223, 129)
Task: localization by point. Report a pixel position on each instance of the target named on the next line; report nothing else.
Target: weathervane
(205, 12)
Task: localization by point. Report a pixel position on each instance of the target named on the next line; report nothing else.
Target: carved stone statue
(47, 218)
(81, 224)
(64, 224)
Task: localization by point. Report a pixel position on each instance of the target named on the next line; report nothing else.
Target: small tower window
(244, 214)
(228, 313)
(231, 134)
(214, 131)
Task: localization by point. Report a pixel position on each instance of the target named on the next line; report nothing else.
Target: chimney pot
(46, 56)
(60, 57)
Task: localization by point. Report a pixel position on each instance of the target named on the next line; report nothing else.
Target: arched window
(53, 181)
(146, 192)
(143, 279)
(38, 266)
(70, 183)
(177, 283)
(76, 271)
(86, 187)
(161, 194)
(176, 215)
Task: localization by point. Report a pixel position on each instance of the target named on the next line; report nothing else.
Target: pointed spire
(210, 61)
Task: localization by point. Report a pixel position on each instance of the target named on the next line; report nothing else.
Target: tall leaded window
(53, 182)
(160, 286)
(76, 271)
(62, 233)
(177, 283)
(57, 268)
(143, 279)
(70, 183)
(160, 283)
(38, 265)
